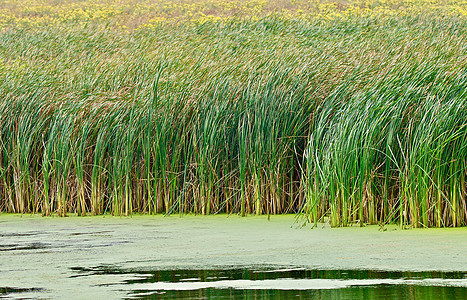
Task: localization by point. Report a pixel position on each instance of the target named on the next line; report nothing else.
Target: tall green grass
(347, 121)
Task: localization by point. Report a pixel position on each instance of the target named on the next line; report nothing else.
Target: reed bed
(359, 120)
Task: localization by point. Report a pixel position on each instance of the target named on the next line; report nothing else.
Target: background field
(347, 111)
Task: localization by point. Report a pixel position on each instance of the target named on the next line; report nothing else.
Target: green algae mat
(225, 257)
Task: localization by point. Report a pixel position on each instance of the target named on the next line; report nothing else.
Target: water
(8, 291)
(224, 257)
(284, 283)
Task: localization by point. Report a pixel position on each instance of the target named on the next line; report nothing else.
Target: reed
(357, 120)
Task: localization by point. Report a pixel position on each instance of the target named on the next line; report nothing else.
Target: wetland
(225, 257)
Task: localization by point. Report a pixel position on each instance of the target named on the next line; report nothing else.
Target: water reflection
(284, 283)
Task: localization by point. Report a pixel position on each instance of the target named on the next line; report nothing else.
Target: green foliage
(359, 121)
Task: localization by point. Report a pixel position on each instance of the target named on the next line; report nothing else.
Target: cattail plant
(347, 121)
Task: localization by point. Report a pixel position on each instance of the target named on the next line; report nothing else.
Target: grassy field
(350, 112)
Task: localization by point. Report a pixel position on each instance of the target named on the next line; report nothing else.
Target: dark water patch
(109, 244)
(19, 234)
(99, 270)
(5, 291)
(296, 283)
(80, 244)
(83, 244)
(261, 273)
(91, 233)
(26, 246)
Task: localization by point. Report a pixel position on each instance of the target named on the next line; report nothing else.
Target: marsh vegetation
(349, 112)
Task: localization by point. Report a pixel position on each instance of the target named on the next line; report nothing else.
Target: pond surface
(298, 283)
(222, 257)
